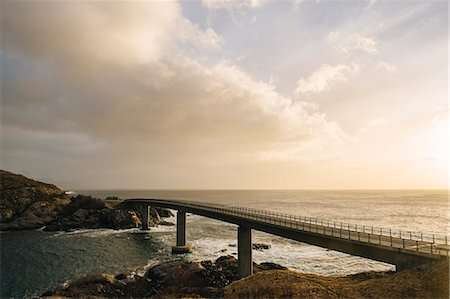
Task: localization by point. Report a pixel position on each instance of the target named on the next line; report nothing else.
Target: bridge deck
(404, 249)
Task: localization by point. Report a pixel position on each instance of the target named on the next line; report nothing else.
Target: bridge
(396, 247)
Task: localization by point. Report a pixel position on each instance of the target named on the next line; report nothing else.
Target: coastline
(46, 205)
(208, 279)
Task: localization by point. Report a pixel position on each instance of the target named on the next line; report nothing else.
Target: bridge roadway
(402, 250)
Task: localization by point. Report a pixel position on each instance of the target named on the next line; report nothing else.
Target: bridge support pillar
(245, 261)
(145, 213)
(181, 235)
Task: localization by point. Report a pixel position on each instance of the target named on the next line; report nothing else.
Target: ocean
(33, 261)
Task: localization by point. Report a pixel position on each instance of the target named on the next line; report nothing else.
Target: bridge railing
(408, 240)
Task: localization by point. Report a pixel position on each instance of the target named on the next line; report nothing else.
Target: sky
(248, 94)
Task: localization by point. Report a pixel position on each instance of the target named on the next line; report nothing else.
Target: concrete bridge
(399, 248)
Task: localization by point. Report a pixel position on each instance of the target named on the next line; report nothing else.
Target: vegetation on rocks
(170, 279)
(180, 279)
(29, 204)
(424, 281)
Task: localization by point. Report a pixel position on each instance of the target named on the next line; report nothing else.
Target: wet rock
(121, 276)
(260, 246)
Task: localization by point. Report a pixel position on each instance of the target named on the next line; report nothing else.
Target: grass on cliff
(9, 180)
(425, 281)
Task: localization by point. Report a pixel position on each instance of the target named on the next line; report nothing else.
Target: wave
(97, 232)
(102, 232)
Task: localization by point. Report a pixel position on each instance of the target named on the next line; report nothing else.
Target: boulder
(186, 274)
(121, 276)
(166, 223)
(260, 246)
(154, 216)
(174, 279)
(100, 285)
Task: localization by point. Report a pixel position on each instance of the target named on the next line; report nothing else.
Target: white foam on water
(140, 271)
(101, 232)
(294, 255)
(162, 228)
(211, 248)
(98, 232)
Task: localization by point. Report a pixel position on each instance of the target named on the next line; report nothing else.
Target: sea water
(33, 261)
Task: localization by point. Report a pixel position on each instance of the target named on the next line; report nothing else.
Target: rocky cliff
(29, 204)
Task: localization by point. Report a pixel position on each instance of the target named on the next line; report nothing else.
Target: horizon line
(252, 189)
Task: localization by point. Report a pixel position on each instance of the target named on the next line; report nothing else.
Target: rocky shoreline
(174, 278)
(207, 279)
(28, 204)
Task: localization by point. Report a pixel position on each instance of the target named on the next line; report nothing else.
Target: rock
(228, 265)
(232, 245)
(26, 203)
(89, 212)
(209, 292)
(154, 216)
(268, 266)
(172, 279)
(101, 285)
(121, 276)
(226, 261)
(186, 274)
(29, 204)
(80, 215)
(180, 279)
(112, 198)
(166, 223)
(260, 246)
(164, 213)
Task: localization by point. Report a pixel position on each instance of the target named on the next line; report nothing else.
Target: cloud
(374, 125)
(119, 32)
(207, 40)
(348, 44)
(386, 66)
(324, 78)
(232, 5)
(118, 83)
